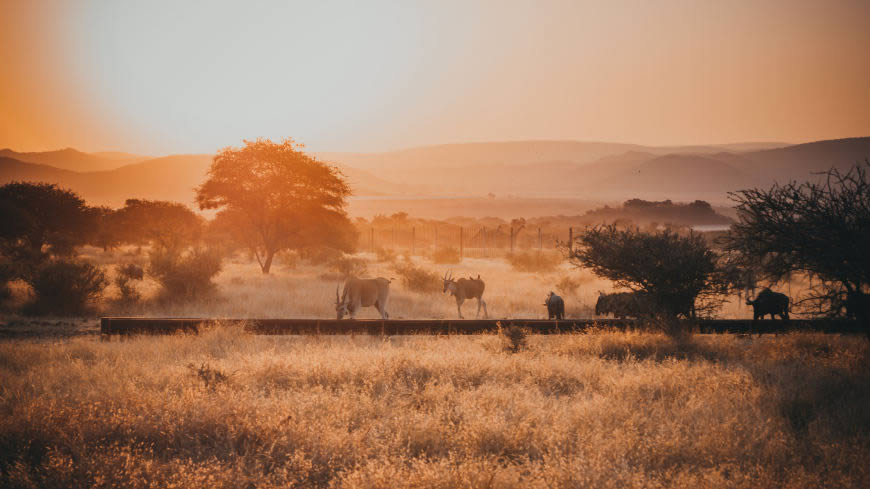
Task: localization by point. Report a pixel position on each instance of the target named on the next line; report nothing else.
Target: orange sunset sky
(159, 77)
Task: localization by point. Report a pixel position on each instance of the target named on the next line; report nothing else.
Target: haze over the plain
(165, 77)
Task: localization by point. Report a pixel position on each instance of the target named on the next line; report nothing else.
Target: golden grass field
(308, 291)
(601, 409)
(597, 409)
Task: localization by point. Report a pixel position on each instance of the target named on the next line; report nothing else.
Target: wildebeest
(362, 292)
(769, 302)
(858, 306)
(624, 304)
(466, 288)
(555, 306)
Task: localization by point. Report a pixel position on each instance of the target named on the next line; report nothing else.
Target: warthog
(466, 288)
(362, 292)
(555, 306)
(624, 304)
(769, 302)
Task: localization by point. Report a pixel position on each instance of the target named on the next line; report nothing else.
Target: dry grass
(306, 289)
(225, 409)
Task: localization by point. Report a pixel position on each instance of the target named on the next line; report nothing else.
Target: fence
(469, 241)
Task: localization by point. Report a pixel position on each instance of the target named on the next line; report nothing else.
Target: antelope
(362, 292)
(465, 288)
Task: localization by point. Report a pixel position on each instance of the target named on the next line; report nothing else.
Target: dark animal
(769, 302)
(624, 304)
(555, 306)
(465, 288)
(858, 306)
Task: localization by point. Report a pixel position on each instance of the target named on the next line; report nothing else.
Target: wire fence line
(469, 241)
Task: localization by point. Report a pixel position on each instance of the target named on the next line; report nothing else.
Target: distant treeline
(632, 212)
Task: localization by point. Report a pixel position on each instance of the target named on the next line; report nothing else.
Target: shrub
(348, 266)
(674, 271)
(288, 258)
(7, 274)
(385, 255)
(515, 338)
(534, 261)
(568, 285)
(418, 279)
(184, 275)
(446, 256)
(66, 288)
(320, 255)
(125, 275)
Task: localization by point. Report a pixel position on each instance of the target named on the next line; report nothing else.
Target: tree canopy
(38, 220)
(674, 270)
(821, 229)
(273, 196)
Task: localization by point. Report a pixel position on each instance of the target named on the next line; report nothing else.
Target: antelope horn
(336, 294)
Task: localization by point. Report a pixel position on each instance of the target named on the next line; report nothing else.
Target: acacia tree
(819, 229)
(674, 271)
(165, 224)
(40, 220)
(272, 197)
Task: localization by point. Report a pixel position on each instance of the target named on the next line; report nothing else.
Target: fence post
(372, 239)
(540, 240)
(570, 240)
(413, 240)
(436, 237)
(512, 239)
(485, 251)
(461, 249)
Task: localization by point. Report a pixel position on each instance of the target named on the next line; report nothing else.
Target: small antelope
(466, 288)
(362, 292)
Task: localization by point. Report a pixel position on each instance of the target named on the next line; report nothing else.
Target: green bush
(385, 255)
(534, 261)
(184, 275)
(418, 279)
(446, 256)
(126, 274)
(320, 255)
(349, 266)
(66, 288)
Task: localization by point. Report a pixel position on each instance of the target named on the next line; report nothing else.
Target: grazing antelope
(466, 288)
(362, 292)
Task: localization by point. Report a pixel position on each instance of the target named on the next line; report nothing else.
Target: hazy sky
(161, 77)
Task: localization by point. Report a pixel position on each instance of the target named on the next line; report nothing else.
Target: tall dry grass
(225, 409)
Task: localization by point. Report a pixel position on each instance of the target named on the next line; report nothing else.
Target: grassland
(304, 290)
(226, 409)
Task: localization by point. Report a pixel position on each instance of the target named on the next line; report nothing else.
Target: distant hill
(530, 169)
(72, 159)
(168, 178)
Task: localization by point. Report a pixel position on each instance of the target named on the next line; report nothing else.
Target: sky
(159, 77)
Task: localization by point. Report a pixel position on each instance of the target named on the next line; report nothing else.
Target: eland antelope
(466, 288)
(362, 292)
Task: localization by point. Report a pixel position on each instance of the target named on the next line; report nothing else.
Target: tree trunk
(267, 264)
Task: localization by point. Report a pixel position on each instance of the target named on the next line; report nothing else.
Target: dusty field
(308, 291)
(225, 409)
